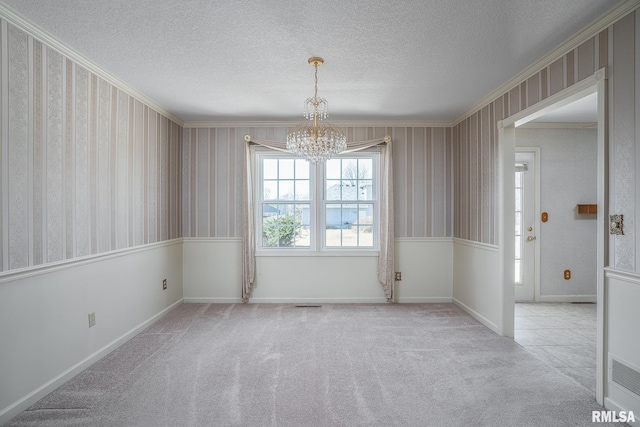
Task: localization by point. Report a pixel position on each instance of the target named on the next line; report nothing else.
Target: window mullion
(319, 202)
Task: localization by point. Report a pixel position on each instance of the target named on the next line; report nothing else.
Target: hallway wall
(568, 171)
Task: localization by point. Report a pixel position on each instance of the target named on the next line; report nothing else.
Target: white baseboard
(424, 300)
(208, 300)
(318, 300)
(611, 405)
(568, 298)
(20, 405)
(486, 322)
(406, 300)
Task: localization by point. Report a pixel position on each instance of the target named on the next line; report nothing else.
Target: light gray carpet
(337, 365)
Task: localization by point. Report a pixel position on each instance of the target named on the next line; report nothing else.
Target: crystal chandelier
(319, 141)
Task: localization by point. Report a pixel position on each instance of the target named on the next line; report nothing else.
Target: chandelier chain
(315, 93)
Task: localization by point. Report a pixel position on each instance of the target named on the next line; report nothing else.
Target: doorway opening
(506, 142)
(552, 320)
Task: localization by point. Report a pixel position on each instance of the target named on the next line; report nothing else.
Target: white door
(525, 231)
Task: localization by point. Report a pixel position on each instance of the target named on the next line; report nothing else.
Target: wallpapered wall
(624, 123)
(212, 178)
(86, 168)
(476, 137)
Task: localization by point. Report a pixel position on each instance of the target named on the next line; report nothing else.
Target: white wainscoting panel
(212, 270)
(44, 329)
(427, 270)
(476, 282)
(317, 279)
(212, 274)
(622, 295)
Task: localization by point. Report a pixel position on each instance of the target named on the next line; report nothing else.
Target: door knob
(531, 238)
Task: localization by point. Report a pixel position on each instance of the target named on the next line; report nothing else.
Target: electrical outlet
(398, 276)
(92, 319)
(164, 284)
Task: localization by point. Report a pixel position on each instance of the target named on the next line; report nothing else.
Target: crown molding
(36, 32)
(344, 123)
(611, 17)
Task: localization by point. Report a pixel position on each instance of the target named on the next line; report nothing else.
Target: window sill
(325, 253)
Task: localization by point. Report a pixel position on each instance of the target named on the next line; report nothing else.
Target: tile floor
(562, 335)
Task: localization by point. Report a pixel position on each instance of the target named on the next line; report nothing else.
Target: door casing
(506, 160)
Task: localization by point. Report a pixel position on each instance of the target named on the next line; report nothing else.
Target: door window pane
(519, 226)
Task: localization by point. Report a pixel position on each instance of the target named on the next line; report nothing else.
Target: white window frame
(259, 191)
(317, 208)
(375, 173)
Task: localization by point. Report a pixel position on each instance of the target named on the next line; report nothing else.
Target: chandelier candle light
(322, 140)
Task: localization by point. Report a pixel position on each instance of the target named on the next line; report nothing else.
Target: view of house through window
(331, 205)
(350, 222)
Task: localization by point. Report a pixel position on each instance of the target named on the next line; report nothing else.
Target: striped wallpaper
(475, 139)
(85, 167)
(212, 178)
(624, 134)
(212, 182)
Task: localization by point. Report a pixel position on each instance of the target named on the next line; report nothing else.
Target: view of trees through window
(286, 202)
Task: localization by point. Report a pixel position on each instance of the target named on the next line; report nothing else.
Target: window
(348, 203)
(285, 202)
(519, 274)
(330, 206)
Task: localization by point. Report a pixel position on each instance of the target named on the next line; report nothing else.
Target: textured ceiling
(213, 60)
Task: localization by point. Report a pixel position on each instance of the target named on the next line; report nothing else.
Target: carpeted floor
(335, 365)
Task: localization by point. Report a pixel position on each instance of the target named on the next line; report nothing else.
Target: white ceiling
(411, 60)
(584, 110)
